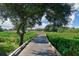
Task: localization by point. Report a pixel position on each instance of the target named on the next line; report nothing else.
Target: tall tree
(25, 15)
(58, 14)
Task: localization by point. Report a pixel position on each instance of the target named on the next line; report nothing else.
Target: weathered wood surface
(39, 46)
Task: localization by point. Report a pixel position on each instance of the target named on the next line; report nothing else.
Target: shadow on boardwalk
(44, 53)
(39, 46)
(40, 39)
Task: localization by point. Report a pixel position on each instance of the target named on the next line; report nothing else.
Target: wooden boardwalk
(39, 46)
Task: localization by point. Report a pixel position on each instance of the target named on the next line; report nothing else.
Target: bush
(66, 43)
(9, 41)
(1, 29)
(62, 29)
(50, 28)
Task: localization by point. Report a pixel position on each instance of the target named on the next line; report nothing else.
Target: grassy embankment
(67, 43)
(9, 41)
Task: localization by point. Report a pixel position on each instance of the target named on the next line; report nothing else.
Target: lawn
(9, 41)
(66, 43)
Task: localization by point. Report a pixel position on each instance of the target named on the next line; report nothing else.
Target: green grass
(66, 43)
(9, 41)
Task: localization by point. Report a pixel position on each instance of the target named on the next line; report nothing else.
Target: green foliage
(27, 15)
(58, 14)
(29, 35)
(62, 29)
(30, 14)
(51, 28)
(9, 41)
(73, 30)
(66, 43)
(1, 30)
(39, 29)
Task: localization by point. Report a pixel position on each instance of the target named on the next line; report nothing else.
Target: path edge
(58, 54)
(20, 48)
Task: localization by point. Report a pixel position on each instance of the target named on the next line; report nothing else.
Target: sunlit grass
(66, 43)
(9, 41)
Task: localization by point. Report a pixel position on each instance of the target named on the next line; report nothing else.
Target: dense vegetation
(27, 15)
(67, 43)
(9, 41)
(23, 16)
(51, 28)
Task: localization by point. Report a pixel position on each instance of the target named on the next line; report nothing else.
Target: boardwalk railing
(18, 50)
(56, 51)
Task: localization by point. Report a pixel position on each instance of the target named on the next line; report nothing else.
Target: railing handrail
(19, 49)
(53, 46)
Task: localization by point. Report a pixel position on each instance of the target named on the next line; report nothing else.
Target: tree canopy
(27, 15)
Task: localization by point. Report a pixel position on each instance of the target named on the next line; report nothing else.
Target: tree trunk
(21, 32)
(21, 39)
(54, 26)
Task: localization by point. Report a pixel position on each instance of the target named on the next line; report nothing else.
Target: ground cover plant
(9, 41)
(67, 43)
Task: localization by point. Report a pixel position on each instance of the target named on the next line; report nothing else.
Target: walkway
(39, 46)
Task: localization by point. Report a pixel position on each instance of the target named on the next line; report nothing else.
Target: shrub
(9, 41)
(66, 43)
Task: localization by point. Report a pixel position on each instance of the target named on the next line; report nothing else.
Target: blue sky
(73, 23)
(76, 20)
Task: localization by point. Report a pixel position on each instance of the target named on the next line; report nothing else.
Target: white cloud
(72, 17)
(77, 27)
(76, 7)
(44, 23)
(7, 24)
